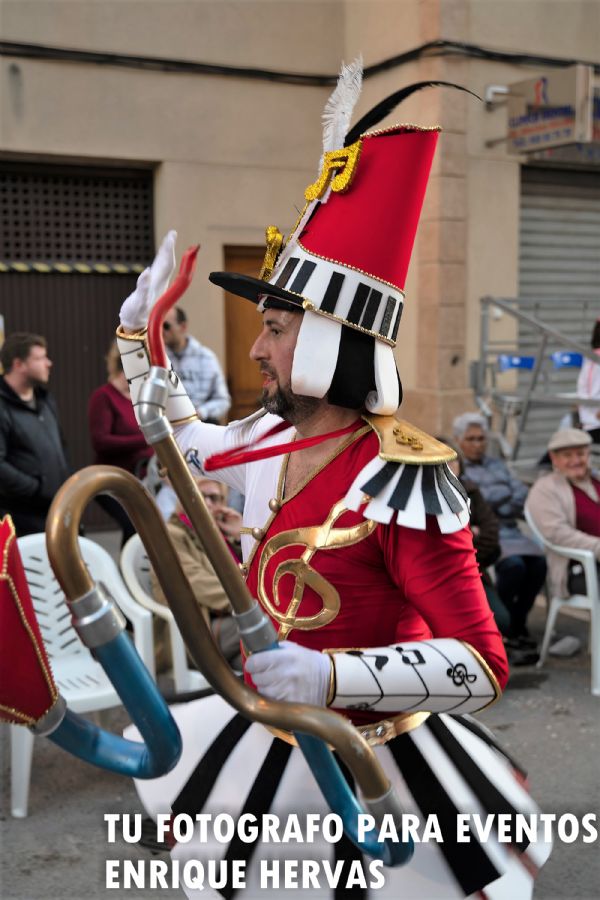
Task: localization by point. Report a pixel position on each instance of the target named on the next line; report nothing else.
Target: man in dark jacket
(33, 464)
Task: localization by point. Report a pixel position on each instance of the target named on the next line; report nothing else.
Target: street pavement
(547, 719)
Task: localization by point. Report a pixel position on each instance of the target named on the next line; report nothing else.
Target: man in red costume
(355, 536)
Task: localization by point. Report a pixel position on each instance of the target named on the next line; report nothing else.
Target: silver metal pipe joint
(96, 617)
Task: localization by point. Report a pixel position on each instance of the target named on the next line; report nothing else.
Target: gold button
(243, 568)
(274, 505)
(258, 534)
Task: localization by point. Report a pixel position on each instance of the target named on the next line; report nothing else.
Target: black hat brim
(254, 288)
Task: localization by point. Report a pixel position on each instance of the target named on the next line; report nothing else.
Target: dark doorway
(77, 314)
(72, 240)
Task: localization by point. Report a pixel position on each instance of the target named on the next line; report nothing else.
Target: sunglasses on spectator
(217, 499)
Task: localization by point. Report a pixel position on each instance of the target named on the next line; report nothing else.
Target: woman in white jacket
(588, 385)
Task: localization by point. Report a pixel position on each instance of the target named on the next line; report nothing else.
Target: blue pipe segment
(162, 745)
(343, 801)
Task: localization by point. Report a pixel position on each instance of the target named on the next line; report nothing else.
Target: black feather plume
(385, 107)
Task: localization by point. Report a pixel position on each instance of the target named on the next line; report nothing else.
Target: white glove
(291, 673)
(151, 284)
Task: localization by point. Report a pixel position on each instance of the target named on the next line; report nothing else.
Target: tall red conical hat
(346, 260)
(27, 688)
(351, 250)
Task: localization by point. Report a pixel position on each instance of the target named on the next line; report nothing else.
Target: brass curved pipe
(63, 551)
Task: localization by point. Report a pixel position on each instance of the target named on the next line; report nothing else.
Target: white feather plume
(338, 109)
(336, 123)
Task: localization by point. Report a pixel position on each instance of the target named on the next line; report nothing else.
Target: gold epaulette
(401, 442)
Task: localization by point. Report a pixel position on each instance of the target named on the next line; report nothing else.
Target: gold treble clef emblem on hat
(313, 538)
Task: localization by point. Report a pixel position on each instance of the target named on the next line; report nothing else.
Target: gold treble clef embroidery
(313, 538)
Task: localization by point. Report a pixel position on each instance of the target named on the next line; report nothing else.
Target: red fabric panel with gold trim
(27, 688)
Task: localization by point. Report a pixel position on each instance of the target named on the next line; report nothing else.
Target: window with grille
(78, 215)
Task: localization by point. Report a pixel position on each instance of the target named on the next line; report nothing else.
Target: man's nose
(257, 351)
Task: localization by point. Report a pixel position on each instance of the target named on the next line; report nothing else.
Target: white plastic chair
(135, 568)
(589, 601)
(80, 679)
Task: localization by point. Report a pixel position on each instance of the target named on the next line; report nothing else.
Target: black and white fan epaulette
(409, 479)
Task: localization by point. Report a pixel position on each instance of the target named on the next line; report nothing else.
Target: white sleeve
(136, 365)
(437, 675)
(197, 440)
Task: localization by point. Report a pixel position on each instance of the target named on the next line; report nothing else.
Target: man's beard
(294, 408)
(38, 382)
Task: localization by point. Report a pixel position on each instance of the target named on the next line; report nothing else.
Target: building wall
(230, 155)
(569, 30)
(233, 155)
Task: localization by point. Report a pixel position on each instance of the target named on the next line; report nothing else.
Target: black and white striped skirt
(446, 767)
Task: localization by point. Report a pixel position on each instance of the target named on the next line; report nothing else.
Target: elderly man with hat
(355, 538)
(565, 505)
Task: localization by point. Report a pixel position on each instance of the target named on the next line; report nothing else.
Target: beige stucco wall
(232, 155)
